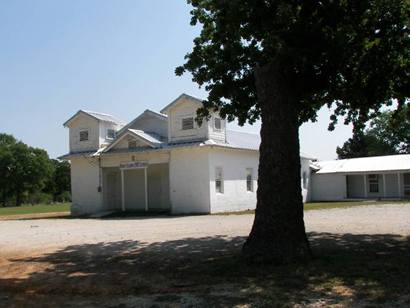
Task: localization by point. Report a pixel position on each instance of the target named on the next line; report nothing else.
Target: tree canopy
(335, 52)
(281, 61)
(26, 172)
(388, 133)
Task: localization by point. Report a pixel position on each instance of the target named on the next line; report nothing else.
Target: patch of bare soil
(361, 259)
(349, 270)
(36, 216)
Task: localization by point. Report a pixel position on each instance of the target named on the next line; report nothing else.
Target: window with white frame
(373, 183)
(187, 123)
(304, 179)
(132, 144)
(249, 179)
(217, 123)
(110, 133)
(219, 182)
(84, 135)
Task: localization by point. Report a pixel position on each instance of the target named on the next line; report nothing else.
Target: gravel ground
(51, 234)
(186, 262)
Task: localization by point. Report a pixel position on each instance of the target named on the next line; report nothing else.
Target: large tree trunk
(278, 233)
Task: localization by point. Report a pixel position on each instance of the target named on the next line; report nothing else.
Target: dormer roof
(103, 117)
(176, 101)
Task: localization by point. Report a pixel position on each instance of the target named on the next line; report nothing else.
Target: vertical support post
(146, 188)
(122, 191)
(384, 186)
(399, 184)
(365, 185)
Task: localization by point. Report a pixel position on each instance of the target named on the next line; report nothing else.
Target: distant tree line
(28, 175)
(387, 134)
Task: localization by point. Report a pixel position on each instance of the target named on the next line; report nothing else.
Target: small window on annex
(249, 179)
(188, 123)
(217, 123)
(84, 135)
(373, 183)
(110, 134)
(219, 183)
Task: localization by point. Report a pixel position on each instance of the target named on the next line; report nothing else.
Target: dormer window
(188, 123)
(217, 123)
(84, 135)
(110, 134)
(132, 144)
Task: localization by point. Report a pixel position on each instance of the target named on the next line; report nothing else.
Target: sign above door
(133, 165)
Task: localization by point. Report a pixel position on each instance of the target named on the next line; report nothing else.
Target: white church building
(163, 162)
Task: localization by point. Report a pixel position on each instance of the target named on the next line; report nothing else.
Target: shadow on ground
(347, 270)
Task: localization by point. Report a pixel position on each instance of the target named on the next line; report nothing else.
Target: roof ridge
(156, 112)
(364, 157)
(97, 112)
(198, 100)
(238, 131)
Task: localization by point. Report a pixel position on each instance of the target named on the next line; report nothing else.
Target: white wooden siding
(182, 110)
(86, 199)
(84, 122)
(235, 197)
(189, 185)
(328, 187)
(217, 135)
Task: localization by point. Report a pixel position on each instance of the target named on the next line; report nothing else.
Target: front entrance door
(134, 189)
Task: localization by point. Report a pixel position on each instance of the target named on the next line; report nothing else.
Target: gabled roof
(151, 140)
(96, 115)
(366, 164)
(145, 113)
(176, 101)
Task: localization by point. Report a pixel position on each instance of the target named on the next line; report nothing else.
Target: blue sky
(116, 57)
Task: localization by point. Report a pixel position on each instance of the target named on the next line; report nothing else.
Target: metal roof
(150, 137)
(103, 117)
(366, 164)
(96, 115)
(243, 140)
(158, 115)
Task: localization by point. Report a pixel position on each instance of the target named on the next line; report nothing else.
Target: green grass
(330, 205)
(346, 204)
(35, 209)
(65, 207)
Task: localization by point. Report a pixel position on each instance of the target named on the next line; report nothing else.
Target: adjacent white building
(379, 177)
(164, 162)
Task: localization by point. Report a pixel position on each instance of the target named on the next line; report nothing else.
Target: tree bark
(278, 233)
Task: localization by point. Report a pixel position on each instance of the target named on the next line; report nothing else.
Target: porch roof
(150, 139)
(366, 164)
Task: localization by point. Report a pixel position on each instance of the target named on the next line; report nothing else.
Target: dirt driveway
(195, 261)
